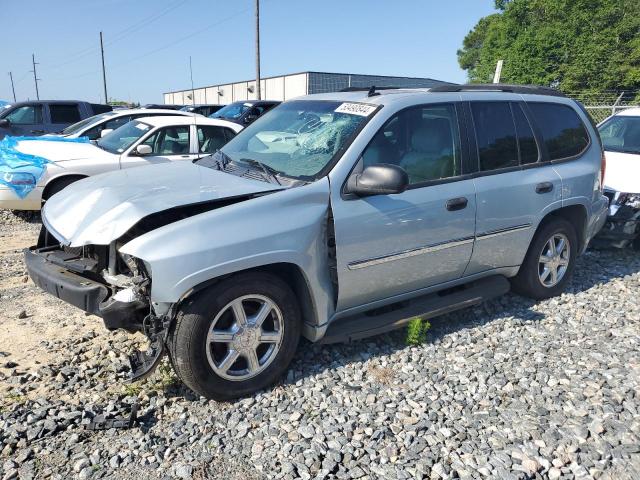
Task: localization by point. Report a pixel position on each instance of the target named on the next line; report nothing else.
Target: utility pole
(35, 76)
(12, 87)
(193, 92)
(104, 74)
(258, 93)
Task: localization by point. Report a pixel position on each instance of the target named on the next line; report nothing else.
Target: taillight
(603, 168)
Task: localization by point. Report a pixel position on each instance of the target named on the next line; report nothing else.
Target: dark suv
(45, 116)
(244, 112)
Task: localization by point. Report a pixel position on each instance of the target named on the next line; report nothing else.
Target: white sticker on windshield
(361, 109)
(142, 126)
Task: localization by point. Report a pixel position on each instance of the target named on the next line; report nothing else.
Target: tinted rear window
(64, 113)
(563, 132)
(496, 135)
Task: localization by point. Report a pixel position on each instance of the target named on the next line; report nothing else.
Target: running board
(435, 304)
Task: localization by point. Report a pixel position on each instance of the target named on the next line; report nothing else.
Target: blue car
(332, 217)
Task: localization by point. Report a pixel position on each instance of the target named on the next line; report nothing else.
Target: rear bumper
(10, 200)
(47, 271)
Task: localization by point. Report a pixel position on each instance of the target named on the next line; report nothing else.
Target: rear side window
(64, 113)
(495, 134)
(526, 139)
(563, 133)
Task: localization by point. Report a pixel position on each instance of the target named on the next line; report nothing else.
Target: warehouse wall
(291, 86)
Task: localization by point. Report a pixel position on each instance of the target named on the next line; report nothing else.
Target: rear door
(61, 115)
(168, 144)
(389, 245)
(515, 186)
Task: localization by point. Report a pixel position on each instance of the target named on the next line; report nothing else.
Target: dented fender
(287, 226)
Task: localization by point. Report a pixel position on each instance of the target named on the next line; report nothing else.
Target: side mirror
(379, 179)
(105, 132)
(4, 122)
(143, 150)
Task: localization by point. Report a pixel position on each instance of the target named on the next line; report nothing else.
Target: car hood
(61, 151)
(100, 209)
(623, 172)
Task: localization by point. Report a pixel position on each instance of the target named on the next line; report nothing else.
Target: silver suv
(332, 217)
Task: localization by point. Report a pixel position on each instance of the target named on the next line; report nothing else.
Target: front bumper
(62, 274)
(10, 200)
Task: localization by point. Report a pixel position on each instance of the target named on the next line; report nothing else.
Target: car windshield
(233, 110)
(125, 136)
(299, 139)
(621, 134)
(76, 127)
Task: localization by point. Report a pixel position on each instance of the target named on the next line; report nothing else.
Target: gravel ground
(510, 389)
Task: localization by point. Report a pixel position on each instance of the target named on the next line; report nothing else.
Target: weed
(417, 331)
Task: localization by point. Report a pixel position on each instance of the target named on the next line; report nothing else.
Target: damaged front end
(622, 228)
(101, 281)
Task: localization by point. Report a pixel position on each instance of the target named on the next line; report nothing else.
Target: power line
(163, 47)
(85, 52)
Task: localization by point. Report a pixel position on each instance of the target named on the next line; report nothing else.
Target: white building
(285, 87)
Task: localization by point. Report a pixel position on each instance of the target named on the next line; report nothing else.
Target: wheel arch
(58, 180)
(291, 274)
(576, 215)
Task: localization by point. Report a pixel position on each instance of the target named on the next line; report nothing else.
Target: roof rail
(499, 87)
(367, 89)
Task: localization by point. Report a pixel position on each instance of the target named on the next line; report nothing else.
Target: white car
(620, 136)
(145, 141)
(99, 125)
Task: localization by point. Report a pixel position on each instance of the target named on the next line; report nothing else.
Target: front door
(388, 245)
(168, 144)
(26, 121)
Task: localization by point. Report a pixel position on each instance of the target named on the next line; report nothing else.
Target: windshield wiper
(268, 171)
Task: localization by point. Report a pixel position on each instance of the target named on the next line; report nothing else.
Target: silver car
(333, 217)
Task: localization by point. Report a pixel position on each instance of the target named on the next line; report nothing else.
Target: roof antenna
(372, 91)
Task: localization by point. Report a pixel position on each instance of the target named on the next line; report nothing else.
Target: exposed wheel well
(574, 214)
(51, 187)
(290, 274)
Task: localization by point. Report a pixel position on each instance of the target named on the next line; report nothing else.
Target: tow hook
(144, 363)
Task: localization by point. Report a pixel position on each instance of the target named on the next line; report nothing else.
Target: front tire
(549, 263)
(235, 337)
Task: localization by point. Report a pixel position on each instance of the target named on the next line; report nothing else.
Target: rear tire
(549, 263)
(235, 337)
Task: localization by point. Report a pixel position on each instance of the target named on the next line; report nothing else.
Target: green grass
(417, 331)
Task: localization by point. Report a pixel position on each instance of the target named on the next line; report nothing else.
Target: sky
(148, 42)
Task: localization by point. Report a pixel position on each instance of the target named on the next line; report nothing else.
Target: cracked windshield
(298, 139)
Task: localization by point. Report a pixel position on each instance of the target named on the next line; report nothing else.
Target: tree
(587, 45)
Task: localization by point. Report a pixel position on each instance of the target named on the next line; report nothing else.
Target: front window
(621, 134)
(26, 115)
(299, 138)
(122, 138)
(232, 111)
(77, 127)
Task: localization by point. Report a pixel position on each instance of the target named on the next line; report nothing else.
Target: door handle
(544, 187)
(37, 131)
(457, 203)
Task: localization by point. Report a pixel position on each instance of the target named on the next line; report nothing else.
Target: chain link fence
(602, 105)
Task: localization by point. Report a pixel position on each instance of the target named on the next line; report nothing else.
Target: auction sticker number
(361, 109)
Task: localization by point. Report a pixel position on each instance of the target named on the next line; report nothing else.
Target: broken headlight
(630, 199)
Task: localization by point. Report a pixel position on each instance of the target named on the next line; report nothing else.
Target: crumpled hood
(623, 172)
(100, 209)
(61, 151)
